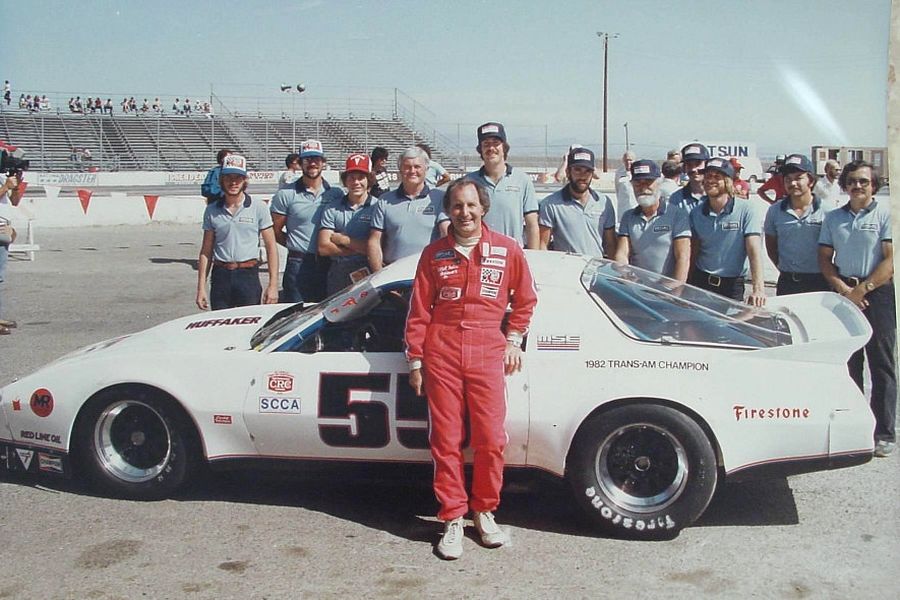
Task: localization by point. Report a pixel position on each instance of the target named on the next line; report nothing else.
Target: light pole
(627, 145)
(605, 35)
(300, 89)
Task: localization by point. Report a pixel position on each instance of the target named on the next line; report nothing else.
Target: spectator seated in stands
(22, 102)
(125, 106)
(145, 106)
(45, 103)
(108, 107)
(72, 105)
(176, 106)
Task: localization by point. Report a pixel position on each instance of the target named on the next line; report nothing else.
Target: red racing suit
(454, 326)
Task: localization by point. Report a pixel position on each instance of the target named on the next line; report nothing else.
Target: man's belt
(298, 254)
(717, 281)
(233, 266)
(797, 277)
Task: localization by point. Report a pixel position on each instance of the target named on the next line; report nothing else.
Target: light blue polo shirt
(652, 240)
(342, 218)
(682, 198)
(577, 228)
(512, 198)
(798, 237)
(721, 237)
(434, 172)
(237, 235)
(409, 224)
(856, 238)
(303, 210)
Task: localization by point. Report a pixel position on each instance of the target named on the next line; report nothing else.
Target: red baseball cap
(358, 162)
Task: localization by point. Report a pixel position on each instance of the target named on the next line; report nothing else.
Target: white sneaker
(491, 534)
(884, 448)
(451, 545)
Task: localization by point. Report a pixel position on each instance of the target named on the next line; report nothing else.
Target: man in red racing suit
(459, 354)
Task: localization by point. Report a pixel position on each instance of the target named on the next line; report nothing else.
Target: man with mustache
(577, 218)
(654, 235)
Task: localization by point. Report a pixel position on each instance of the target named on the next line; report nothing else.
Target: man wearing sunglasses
(856, 257)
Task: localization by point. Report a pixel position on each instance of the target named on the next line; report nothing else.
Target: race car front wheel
(642, 471)
(135, 443)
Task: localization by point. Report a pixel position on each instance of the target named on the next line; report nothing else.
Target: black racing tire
(642, 471)
(136, 443)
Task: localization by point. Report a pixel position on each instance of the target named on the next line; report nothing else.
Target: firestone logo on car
(280, 382)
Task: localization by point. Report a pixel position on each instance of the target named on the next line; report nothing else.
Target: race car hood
(208, 331)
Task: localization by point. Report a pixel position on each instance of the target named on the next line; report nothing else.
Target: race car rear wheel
(136, 443)
(642, 471)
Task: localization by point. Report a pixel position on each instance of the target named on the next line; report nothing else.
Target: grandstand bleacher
(55, 142)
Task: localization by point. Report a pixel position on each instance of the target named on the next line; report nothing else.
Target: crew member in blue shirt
(296, 212)
(231, 230)
(344, 231)
(694, 156)
(726, 236)
(577, 218)
(856, 256)
(514, 206)
(654, 235)
(792, 228)
(405, 220)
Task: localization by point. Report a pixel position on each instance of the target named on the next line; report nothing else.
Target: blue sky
(784, 75)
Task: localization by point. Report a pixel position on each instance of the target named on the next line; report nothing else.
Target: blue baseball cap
(581, 157)
(311, 148)
(796, 162)
(491, 129)
(234, 164)
(722, 165)
(694, 152)
(644, 169)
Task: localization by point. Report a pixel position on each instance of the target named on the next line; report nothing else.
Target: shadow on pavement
(191, 262)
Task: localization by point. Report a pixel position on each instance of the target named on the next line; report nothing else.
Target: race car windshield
(652, 307)
(342, 306)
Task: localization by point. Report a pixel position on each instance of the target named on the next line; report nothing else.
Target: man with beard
(725, 235)
(513, 202)
(792, 228)
(461, 341)
(689, 196)
(856, 256)
(654, 235)
(405, 219)
(296, 212)
(576, 217)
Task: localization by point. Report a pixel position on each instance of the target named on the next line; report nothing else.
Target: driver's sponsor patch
(731, 226)
(491, 276)
(222, 419)
(444, 255)
(490, 291)
(490, 261)
(450, 293)
(661, 228)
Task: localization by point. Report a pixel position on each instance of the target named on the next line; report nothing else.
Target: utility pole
(627, 145)
(605, 35)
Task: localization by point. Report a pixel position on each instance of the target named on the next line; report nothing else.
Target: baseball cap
(721, 165)
(581, 157)
(644, 169)
(797, 162)
(735, 163)
(694, 152)
(358, 162)
(491, 130)
(234, 164)
(779, 160)
(311, 148)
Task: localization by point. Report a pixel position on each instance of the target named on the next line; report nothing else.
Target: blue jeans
(4, 253)
(240, 287)
(304, 279)
(880, 351)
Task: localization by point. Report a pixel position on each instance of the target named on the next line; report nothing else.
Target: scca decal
(607, 512)
(219, 322)
(279, 405)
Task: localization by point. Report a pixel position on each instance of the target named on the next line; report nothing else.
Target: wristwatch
(870, 286)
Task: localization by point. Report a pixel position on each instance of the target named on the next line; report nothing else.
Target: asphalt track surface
(340, 533)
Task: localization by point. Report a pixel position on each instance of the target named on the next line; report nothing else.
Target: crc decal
(40, 436)
(559, 342)
(287, 406)
(662, 365)
(50, 464)
(222, 419)
(610, 513)
(220, 322)
(742, 413)
(42, 402)
(280, 382)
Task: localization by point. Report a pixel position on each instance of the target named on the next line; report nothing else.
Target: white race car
(642, 392)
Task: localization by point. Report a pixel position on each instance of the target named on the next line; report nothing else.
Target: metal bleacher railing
(264, 129)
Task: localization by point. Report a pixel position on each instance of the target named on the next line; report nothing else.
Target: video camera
(12, 163)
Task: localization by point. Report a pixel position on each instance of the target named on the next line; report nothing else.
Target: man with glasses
(856, 256)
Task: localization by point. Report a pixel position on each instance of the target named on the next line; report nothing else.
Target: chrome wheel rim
(641, 467)
(133, 441)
